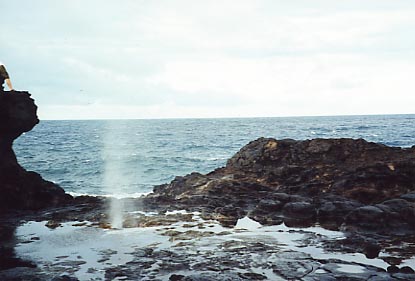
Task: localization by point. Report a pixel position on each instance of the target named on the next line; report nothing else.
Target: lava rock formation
(343, 182)
(21, 189)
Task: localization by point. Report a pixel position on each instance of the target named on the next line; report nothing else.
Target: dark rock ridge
(21, 189)
(336, 182)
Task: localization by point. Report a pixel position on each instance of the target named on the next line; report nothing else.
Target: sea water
(84, 157)
(128, 157)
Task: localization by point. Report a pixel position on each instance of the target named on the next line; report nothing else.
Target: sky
(102, 59)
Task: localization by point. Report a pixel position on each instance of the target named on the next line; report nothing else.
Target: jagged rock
(348, 182)
(352, 168)
(368, 216)
(17, 113)
(299, 210)
(21, 189)
(395, 214)
(333, 209)
(407, 270)
(393, 269)
(371, 250)
(229, 215)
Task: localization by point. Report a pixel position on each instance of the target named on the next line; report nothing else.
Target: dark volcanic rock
(333, 209)
(352, 182)
(21, 189)
(356, 169)
(299, 210)
(17, 113)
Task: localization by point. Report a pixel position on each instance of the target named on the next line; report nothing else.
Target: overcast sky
(87, 59)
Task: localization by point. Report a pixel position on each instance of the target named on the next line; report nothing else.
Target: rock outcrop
(21, 189)
(340, 182)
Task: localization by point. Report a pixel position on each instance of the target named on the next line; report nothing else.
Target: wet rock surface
(364, 189)
(189, 247)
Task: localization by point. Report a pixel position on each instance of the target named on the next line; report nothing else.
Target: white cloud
(211, 58)
(292, 79)
(225, 26)
(103, 73)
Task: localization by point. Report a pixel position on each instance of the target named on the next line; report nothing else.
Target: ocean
(128, 157)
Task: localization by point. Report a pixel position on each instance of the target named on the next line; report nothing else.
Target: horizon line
(241, 117)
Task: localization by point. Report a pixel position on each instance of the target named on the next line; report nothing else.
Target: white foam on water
(119, 195)
(247, 223)
(351, 268)
(180, 212)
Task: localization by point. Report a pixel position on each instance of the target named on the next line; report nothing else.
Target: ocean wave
(112, 195)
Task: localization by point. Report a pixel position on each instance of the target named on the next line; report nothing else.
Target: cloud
(89, 69)
(280, 79)
(211, 58)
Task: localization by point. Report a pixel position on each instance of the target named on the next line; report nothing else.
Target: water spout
(116, 209)
(114, 150)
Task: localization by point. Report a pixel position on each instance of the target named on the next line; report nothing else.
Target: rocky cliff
(344, 182)
(21, 189)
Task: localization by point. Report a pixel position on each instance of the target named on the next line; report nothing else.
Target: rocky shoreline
(366, 191)
(334, 182)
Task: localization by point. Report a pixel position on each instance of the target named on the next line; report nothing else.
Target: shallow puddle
(86, 251)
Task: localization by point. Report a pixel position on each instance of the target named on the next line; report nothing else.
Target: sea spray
(116, 209)
(115, 152)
